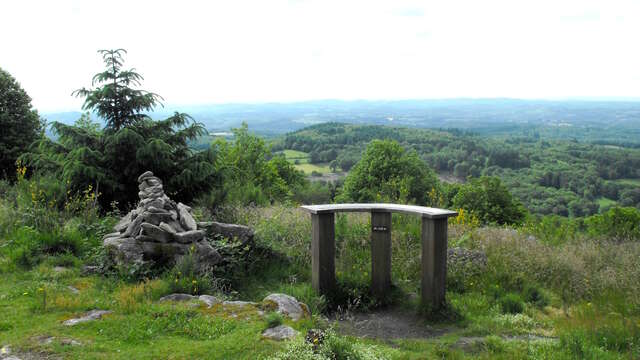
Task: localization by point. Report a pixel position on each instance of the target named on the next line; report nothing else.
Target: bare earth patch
(388, 324)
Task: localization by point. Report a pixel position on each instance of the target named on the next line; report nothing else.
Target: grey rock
(178, 297)
(239, 303)
(155, 218)
(157, 210)
(209, 300)
(73, 290)
(168, 228)
(113, 234)
(189, 237)
(205, 254)
(90, 269)
(45, 340)
(186, 220)
(125, 251)
(60, 269)
(156, 232)
(145, 175)
(157, 203)
(134, 227)
(123, 223)
(69, 342)
(241, 233)
(145, 239)
(153, 181)
(279, 333)
(90, 316)
(288, 306)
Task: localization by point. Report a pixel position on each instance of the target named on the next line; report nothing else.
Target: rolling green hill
(563, 177)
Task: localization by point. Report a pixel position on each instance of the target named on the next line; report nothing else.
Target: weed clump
(511, 304)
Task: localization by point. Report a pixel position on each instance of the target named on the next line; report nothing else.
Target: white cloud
(234, 51)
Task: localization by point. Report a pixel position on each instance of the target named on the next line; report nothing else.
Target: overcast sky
(194, 52)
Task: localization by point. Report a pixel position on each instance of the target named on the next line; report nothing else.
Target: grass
(604, 202)
(321, 168)
(292, 155)
(632, 182)
(583, 294)
(301, 161)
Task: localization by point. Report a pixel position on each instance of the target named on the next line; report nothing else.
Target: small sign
(380, 228)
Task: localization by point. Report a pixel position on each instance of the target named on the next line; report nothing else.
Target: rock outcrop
(90, 316)
(279, 333)
(158, 229)
(287, 306)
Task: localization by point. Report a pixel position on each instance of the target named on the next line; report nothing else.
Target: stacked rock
(158, 228)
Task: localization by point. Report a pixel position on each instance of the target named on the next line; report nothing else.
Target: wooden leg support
(434, 261)
(323, 251)
(380, 253)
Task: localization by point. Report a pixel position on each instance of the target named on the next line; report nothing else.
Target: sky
(202, 52)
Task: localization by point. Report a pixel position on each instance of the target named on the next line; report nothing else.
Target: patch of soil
(388, 324)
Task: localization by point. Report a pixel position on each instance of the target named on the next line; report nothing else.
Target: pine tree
(115, 100)
(111, 159)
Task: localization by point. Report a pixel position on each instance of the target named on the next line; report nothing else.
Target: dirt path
(389, 324)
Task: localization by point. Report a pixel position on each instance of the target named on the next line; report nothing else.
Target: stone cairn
(158, 229)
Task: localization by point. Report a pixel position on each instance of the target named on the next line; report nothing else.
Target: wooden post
(380, 252)
(434, 261)
(323, 251)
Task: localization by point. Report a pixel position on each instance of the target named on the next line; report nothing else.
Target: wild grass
(582, 291)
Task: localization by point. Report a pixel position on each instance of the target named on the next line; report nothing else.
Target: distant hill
(608, 122)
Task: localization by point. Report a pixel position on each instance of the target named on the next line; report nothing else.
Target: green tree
(115, 100)
(111, 159)
(387, 172)
(20, 125)
(250, 174)
(490, 201)
(619, 224)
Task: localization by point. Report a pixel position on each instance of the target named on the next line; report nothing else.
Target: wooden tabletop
(427, 212)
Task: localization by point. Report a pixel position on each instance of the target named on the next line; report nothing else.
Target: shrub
(273, 319)
(488, 199)
(387, 172)
(187, 277)
(619, 224)
(29, 247)
(511, 304)
(534, 295)
(333, 347)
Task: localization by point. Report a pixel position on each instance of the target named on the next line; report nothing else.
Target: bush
(488, 199)
(511, 304)
(333, 347)
(186, 277)
(273, 319)
(535, 296)
(619, 224)
(29, 247)
(387, 172)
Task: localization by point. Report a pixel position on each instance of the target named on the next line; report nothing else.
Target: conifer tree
(111, 159)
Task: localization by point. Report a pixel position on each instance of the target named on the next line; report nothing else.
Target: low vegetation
(523, 286)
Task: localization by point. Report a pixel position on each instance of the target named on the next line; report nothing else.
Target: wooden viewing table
(434, 247)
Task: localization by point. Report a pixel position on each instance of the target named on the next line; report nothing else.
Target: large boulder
(279, 333)
(241, 233)
(287, 306)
